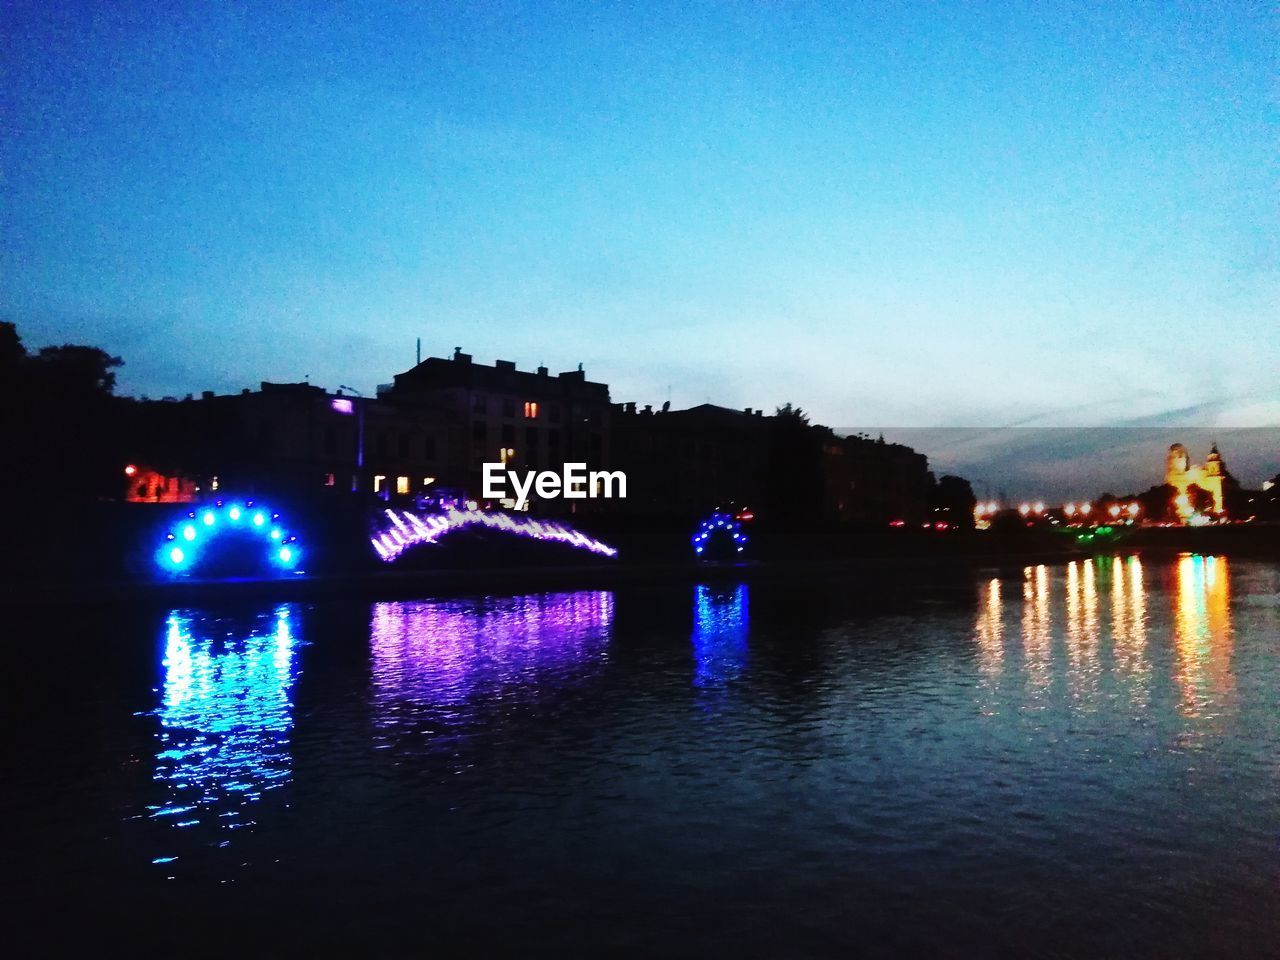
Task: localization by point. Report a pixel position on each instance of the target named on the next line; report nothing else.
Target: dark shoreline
(390, 584)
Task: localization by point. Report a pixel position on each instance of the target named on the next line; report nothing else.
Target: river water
(1066, 760)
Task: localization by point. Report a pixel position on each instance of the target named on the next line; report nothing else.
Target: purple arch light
(405, 530)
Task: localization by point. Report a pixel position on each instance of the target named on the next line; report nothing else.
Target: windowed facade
(493, 402)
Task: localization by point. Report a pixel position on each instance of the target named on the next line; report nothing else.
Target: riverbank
(389, 583)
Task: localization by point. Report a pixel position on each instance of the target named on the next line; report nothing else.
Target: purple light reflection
(435, 661)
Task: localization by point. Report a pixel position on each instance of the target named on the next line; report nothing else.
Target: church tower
(1181, 474)
(1213, 474)
(1176, 464)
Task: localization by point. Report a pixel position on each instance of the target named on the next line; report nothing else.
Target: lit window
(530, 410)
(428, 481)
(402, 485)
(213, 484)
(329, 480)
(378, 481)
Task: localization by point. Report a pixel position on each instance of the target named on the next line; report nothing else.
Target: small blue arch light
(282, 548)
(719, 521)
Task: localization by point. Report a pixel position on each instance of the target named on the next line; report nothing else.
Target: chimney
(504, 365)
(460, 357)
(542, 371)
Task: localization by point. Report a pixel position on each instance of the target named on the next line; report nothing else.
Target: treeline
(62, 422)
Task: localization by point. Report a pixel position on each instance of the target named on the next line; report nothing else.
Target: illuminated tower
(1212, 476)
(1181, 474)
(1175, 471)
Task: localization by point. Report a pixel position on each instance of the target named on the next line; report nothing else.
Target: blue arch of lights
(719, 522)
(187, 541)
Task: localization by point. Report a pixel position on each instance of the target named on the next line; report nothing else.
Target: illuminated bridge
(403, 529)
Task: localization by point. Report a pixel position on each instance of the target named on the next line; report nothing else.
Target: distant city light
(208, 518)
(130, 470)
(234, 513)
(1039, 506)
(1085, 508)
(1069, 509)
(188, 532)
(1024, 509)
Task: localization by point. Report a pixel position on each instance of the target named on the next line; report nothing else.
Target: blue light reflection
(720, 625)
(225, 716)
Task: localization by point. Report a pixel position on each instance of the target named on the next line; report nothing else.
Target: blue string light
(716, 522)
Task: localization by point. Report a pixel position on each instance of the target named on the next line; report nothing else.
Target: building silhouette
(528, 420)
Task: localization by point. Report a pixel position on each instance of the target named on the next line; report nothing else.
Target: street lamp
(359, 427)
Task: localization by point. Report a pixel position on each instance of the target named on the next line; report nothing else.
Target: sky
(909, 214)
(1072, 464)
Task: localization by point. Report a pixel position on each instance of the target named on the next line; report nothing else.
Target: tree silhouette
(60, 430)
(795, 478)
(1201, 500)
(951, 499)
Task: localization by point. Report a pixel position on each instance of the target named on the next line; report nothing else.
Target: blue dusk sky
(915, 215)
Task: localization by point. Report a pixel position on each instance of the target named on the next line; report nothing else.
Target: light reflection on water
(1097, 639)
(1104, 727)
(1202, 635)
(431, 659)
(720, 625)
(225, 716)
